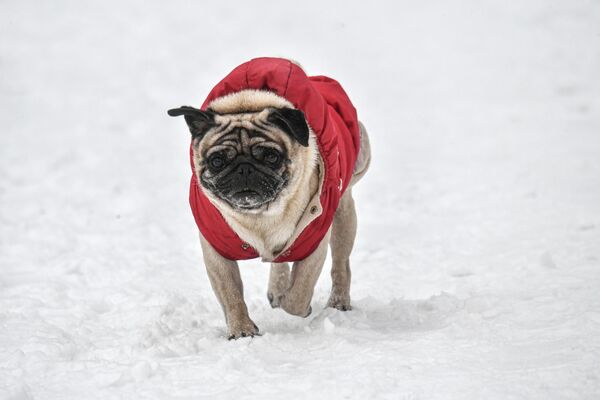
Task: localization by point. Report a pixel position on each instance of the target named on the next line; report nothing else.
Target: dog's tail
(363, 160)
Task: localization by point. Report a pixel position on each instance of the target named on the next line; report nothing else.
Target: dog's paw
(339, 302)
(274, 301)
(238, 330)
(294, 307)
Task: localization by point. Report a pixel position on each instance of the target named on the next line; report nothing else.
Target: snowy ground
(476, 272)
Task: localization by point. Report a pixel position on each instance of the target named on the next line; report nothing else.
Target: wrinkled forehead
(245, 129)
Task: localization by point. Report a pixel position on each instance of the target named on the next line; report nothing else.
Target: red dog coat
(332, 118)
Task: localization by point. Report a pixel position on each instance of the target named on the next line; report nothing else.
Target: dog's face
(247, 160)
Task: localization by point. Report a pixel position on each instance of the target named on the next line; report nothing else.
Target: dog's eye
(216, 161)
(271, 157)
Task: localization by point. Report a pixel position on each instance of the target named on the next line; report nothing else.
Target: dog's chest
(268, 237)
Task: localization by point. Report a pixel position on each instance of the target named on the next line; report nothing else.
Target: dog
(275, 155)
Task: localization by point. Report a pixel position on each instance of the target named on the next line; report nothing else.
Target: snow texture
(476, 271)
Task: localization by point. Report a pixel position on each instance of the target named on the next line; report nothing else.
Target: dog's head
(248, 161)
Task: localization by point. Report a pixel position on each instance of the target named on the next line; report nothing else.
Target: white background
(476, 272)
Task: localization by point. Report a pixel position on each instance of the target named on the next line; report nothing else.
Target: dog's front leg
(225, 279)
(305, 274)
(279, 281)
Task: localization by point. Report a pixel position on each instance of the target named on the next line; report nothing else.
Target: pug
(275, 154)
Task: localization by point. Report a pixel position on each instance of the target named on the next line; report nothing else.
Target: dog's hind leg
(279, 282)
(344, 230)
(342, 240)
(305, 273)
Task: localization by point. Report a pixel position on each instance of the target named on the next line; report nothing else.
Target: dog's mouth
(248, 199)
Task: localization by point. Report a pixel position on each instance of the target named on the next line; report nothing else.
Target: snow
(476, 270)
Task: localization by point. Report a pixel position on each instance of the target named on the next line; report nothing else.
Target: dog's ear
(198, 121)
(291, 122)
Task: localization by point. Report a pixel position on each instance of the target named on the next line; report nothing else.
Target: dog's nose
(245, 170)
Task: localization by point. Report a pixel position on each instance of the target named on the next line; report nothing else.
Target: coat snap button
(287, 253)
(245, 246)
(313, 210)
